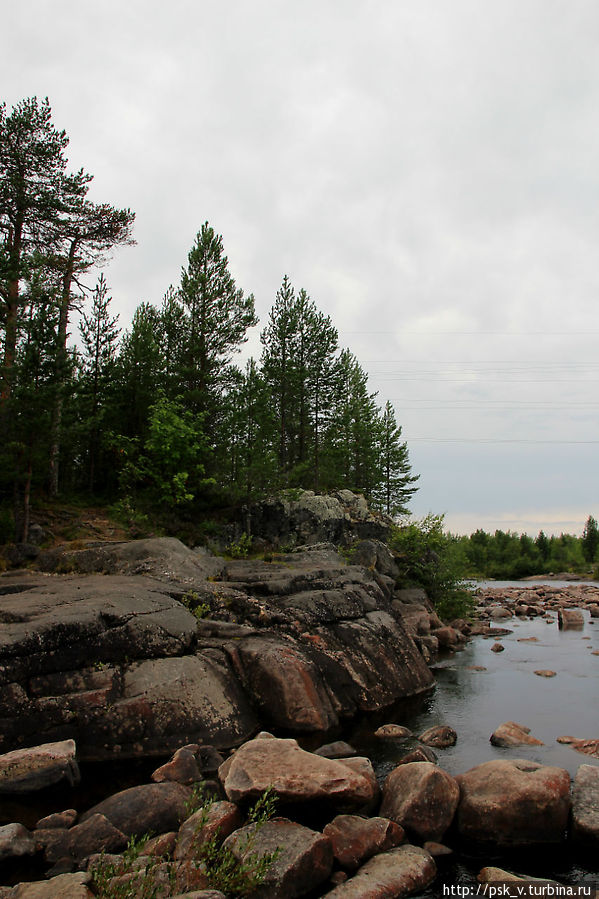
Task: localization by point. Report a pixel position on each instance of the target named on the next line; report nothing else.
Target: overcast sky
(427, 170)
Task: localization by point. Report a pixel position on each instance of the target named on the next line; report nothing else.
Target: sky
(427, 171)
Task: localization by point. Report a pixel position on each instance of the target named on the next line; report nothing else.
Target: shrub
(429, 557)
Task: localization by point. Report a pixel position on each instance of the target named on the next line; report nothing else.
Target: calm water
(475, 702)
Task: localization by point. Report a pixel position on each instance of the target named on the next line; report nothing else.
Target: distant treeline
(506, 555)
(160, 418)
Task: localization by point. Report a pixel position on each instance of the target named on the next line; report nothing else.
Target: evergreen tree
(352, 457)
(138, 369)
(99, 335)
(218, 317)
(397, 485)
(34, 192)
(278, 366)
(590, 540)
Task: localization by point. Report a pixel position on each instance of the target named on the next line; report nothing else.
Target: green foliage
(236, 876)
(590, 540)
(192, 602)
(429, 557)
(240, 549)
(507, 555)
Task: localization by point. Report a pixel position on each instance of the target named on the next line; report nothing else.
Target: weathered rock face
(513, 803)
(118, 663)
(311, 518)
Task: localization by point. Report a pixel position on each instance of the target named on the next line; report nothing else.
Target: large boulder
(355, 839)
(422, 798)
(513, 802)
(303, 860)
(296, 776)
(149, 808)
(396, 873)
(585, 807)
(32, 769)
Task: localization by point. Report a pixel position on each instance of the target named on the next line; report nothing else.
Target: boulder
(296, 776)
(420, 754)
(513, 802)
(585, 807)
(422, 798)
(337, 750)
(95, 834)
(303, 862)
(219, 820)
(395, 873)
(149, 808)
(393, 732)
(62, 820)
(570, 619)
(441, 736)
(182, 768)
(511, 734)
(15, 842)
(65, 886)
(29, 770)
(355, 839)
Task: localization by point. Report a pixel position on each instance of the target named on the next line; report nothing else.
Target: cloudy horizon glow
(426, 171)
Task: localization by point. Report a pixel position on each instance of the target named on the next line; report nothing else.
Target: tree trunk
(61, 359)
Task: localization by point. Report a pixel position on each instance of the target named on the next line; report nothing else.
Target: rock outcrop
(173, 647)
(308, 518)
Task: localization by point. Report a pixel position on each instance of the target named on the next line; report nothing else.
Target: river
(474, 702)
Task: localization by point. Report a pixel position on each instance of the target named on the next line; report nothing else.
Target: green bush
(429, 557)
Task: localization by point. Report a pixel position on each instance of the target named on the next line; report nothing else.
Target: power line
(501, 440)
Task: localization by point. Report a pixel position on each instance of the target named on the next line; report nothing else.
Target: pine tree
(34, 192)
(590, 540)
(218, 317)
(99, 334)
(396, 487)
(278, 366)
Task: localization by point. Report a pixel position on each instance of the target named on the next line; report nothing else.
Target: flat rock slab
(70, 623)
(585, 807)
(513, 802)
(32, 769)
(396, 873)
(294, 774)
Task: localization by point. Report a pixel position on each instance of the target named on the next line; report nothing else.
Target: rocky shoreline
(117, 652)
(336, 832)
